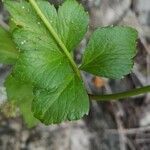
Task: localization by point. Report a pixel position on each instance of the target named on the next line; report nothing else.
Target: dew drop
(122, 77)
(23, 7)
(23, 42)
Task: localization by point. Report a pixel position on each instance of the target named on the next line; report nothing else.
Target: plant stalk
(119, 96)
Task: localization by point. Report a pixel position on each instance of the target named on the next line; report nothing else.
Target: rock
(3, 96)
(108, 12)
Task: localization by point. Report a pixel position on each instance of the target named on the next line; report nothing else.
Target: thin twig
(3, 24)
(129, 131)
(118, 113)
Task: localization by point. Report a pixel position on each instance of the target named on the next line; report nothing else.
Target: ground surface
(110, 126)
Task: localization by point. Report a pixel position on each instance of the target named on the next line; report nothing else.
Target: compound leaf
(42, 62)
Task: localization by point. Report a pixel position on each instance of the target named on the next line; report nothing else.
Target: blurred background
(123, 125)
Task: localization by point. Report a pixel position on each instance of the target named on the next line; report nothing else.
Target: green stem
(56, 37)
(121, 95)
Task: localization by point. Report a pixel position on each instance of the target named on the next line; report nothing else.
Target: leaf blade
(21, 95)
(8, 52)
(67, 102)
(73, 23)
(110, 52)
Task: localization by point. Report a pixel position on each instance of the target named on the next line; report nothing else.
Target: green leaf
(69, 101)
(72, 23)
(59, 93)
(21, 95)
(45, 69)
(110, 52)
(8, 52)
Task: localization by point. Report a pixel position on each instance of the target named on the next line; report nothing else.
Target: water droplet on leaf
(23, 42)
